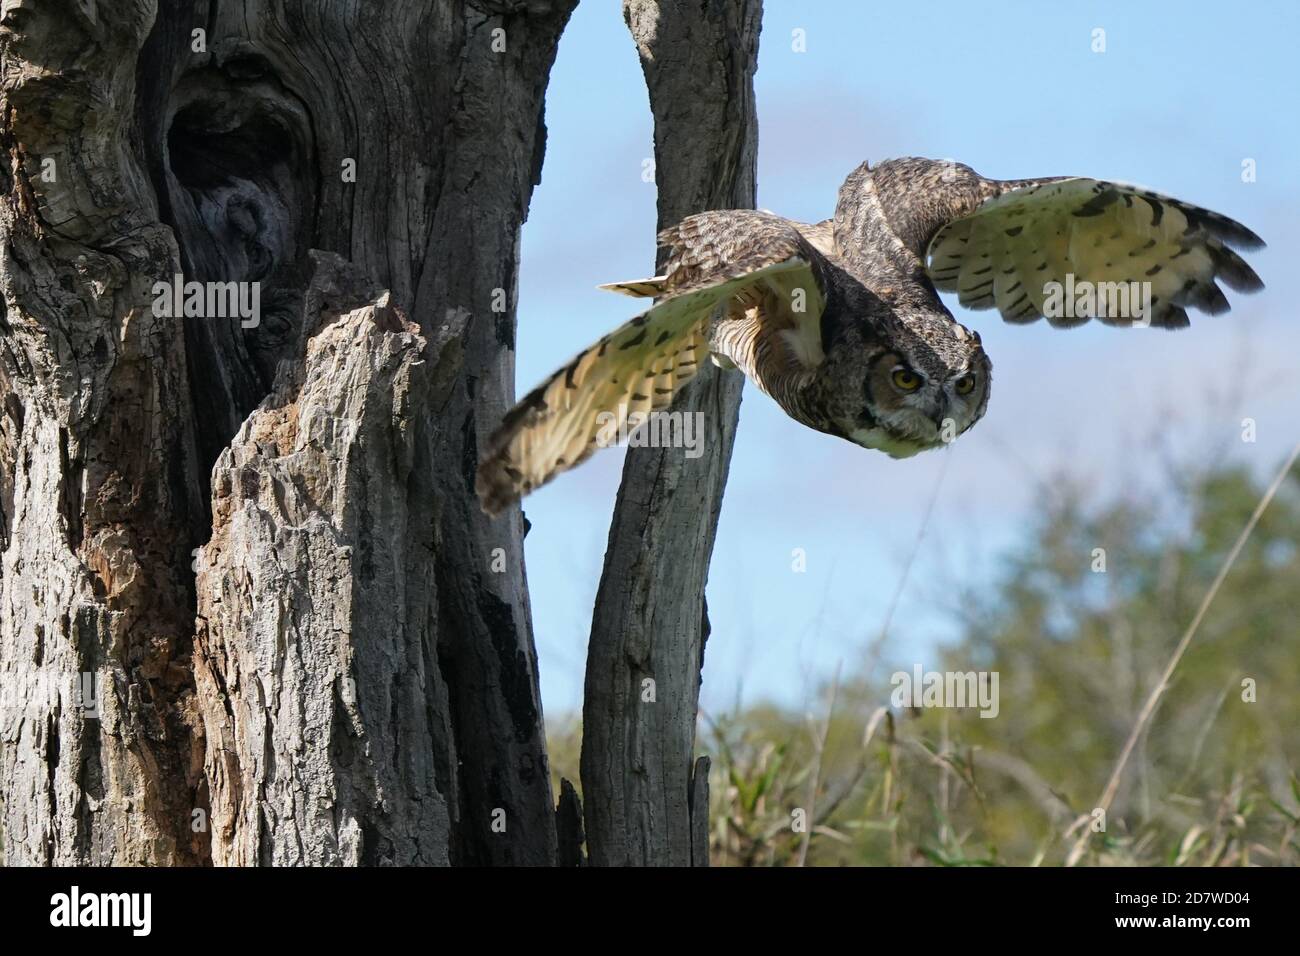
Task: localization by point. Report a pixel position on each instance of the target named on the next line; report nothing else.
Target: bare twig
(874, 651)
(831, 804)
(819, 748)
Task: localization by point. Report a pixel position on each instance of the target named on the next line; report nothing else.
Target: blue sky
(1183, 93)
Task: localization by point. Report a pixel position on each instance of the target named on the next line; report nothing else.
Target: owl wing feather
(637, 288)
(818, 235)
(738, 263)
(1006, 251)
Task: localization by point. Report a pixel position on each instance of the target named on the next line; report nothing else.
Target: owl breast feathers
(840, 322)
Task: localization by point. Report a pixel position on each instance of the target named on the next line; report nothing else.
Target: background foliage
(1212, 781)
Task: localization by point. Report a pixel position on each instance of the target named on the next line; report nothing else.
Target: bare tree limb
(650, 621)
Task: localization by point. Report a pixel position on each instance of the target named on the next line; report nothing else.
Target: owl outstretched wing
(741, 263)
(1073, 249)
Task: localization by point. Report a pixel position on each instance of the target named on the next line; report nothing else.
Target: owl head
(926, 383)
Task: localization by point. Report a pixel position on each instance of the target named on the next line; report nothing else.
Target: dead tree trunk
(361, 686)
(646, 799)
(101, 476)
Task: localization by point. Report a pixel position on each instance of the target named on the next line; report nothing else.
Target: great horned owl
(841, 322)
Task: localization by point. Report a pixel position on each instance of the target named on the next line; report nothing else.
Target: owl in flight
(841, 322)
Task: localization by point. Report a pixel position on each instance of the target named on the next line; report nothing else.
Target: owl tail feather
(637, 288)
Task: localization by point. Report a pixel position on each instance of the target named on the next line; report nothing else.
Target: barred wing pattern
(1122, 241)
(718, 261)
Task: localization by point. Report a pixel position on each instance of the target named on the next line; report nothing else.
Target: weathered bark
(366, 672)
(645, 802)
(100, 472)
(568, 827)
(326, 713)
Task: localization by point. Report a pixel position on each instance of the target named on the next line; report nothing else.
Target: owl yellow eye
(965, 384)
(906, 379)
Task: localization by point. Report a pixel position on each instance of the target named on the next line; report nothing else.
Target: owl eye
(906, 379)
(965, 384)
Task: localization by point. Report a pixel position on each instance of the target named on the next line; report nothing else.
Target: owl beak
(940, 413)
